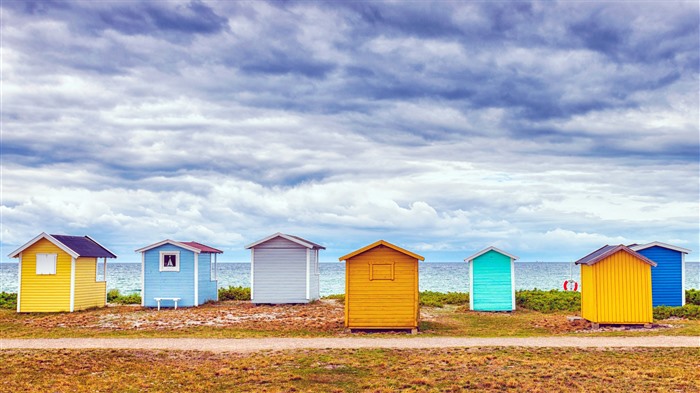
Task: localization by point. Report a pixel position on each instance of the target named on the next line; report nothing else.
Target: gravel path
(277, 344)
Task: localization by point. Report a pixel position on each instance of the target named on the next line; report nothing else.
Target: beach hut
(60, 273)
(492, 280)
(284, 269)
(668, 277)
(616, 286)
(381, 287)
(178, 274)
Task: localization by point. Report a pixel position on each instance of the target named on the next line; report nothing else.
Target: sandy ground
(279, 344)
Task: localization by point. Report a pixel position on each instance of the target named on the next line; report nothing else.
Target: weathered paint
(44, 293)
(491, 278)
(617, 290)
(667, 279)
(381, 289)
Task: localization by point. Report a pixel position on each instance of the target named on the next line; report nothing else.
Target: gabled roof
(291, 238)
(377, 244)
(605, 251)
(638, 247)
(75, 246)
(492, 248)
(203, 248)
(174, 243)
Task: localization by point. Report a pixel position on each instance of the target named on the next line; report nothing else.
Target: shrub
(692, 296)
(689, 311)
(234, 293)
(439, 299)
(548, 301)
(114, 296)
(338, 296)
(8, 300)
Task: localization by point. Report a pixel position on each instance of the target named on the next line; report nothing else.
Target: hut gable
(668, 277)
(605, 251)
(284, 269)
(381, 287)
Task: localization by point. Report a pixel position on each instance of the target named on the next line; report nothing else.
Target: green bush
(338, 296)
(114, 296)
(8, 300)
(234, 293)
(548, 301)
(692, 296)
(439, 299)
(689, 311)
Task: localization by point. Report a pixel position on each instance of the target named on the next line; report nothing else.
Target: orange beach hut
(381, 287)
(616, 286)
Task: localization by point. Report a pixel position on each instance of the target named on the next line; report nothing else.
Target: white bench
(174, 299)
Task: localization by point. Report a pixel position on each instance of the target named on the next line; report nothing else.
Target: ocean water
(434, 276)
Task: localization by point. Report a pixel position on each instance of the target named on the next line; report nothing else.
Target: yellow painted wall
(381, 303)
(88, 292)
(45, 293)
(617, 290)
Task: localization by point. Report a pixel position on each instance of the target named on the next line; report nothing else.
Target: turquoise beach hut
(178, 274)
(668, 277)
(492, 280)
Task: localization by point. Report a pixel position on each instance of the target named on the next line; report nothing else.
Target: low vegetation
(689, 311)
(439, 299)
(548, 301)
(114, 296)
(234, 293)
(373, 370)
(692, 296)
(8, 300)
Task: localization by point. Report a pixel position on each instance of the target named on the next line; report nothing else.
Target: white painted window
(46, 263)
(169, 261)
(212, 266)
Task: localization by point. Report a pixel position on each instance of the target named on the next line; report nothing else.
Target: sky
(546, 129)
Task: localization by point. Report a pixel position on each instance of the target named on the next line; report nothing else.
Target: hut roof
(191, 246)
(203, 248)
(605, 251)
(377, 244)
(75, 246)
(638, 247)
(291, 238)
(492, 248)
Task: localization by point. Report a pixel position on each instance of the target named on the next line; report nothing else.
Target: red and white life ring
(570, 283)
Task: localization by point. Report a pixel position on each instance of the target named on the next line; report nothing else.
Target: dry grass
(238, 319)
(444, 370)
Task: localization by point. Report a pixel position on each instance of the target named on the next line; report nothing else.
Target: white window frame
(46, 260)
(169, 268)
(318, 268)
(97, 270)
(212, 267)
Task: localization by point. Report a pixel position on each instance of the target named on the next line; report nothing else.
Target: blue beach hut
(668, 277)
(178, 274)
(492, 280)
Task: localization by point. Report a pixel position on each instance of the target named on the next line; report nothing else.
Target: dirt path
(276, 344)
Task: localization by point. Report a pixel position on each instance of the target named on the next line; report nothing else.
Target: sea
(434, 276)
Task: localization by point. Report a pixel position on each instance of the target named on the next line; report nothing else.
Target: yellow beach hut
(60, 273)
(616, 286)
(381, 288)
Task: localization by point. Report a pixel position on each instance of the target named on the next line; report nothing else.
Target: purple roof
(203, 248)
(84, 246)
(605, 251)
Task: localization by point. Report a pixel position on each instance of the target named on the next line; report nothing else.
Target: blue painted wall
(207, 288)
(666, 277)
(492, 288)
(168, 284)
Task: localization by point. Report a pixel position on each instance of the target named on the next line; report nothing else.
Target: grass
(374, 370)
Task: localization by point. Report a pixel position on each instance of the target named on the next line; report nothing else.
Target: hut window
(46, 263)
(212, 267)
(170, 261)
(381, 271)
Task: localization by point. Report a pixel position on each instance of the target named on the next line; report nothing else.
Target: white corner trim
(216, 273)
(308, 274)
(682, 279)
(72, 284)
(143, 278)
(512, 283)
(19, 283)
(196, 279)
(252, 273)
(471, 285)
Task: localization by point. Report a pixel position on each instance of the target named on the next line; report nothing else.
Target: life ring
(573, 283)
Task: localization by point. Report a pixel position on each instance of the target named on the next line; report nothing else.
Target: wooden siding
(88, 292)
(617, 290)
(314, 287)
(667, 277)
(491, 279)
(168, 284)
(381, 303)
(44, 293)
(207, 287)
(280, 273)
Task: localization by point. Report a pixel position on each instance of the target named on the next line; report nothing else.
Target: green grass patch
(8, 300)
(439, 299)
(689, 311)
(114, 296)
(548, 301)
(234, 293)
(692, 296)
